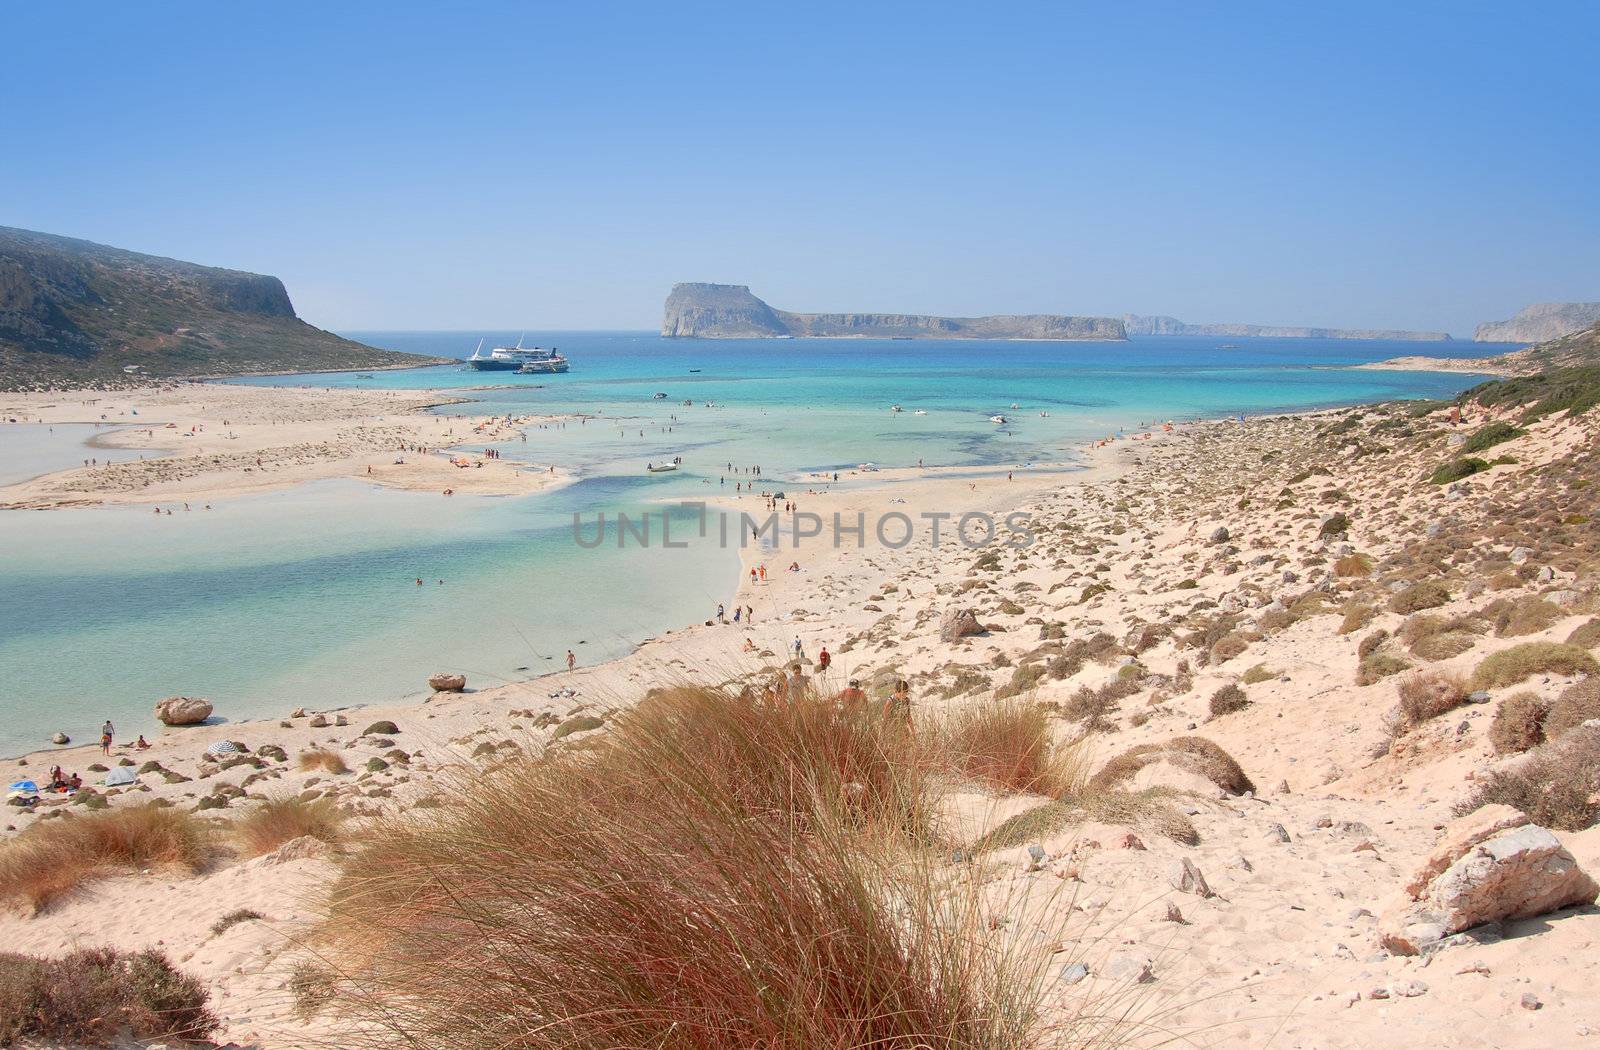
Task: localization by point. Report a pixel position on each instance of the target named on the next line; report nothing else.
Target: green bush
(1510, 666)
(1491, 435)
(1427, 594)
(1457, 469)
(90, 995)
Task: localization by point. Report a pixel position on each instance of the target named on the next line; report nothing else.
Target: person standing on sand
(572, 660)
(107, 731)
(823, 659)
(897, 709)
(722, 613)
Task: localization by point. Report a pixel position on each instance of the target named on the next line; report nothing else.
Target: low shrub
(1227, 700)
(51, 859)
(1428, 694)
(1378, 665)
(1229, 646)
(1356, 616)
(1577, 703)
(1490, 436)
(1426, 594)
(1527, 615)
(1258, 673)
(1513, 665)
(234, 918)
(1353, 565)
(1457, 469)
(92, 995)
(1518, 723)
(1557, 785)
(1586, 635)
(1194, 753)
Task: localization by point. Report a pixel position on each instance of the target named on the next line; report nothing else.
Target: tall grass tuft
(1007, 745)
(712, 874)
(278, 820)
(51, 859)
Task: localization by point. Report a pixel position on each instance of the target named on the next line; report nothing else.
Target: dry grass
(706, 875)
(1429, 694)
(279, 820)
(54, 858)
(1513, 665)
(323, 759)
(1578, 703)
(92, 995)
(1518, 723)
(1353, 565)
(1149, 811)
(1006, 745)
(1557, 785)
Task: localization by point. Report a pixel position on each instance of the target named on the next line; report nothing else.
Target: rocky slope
(1539, 322)
(1143, 324)
(730, 311)
(74, 313)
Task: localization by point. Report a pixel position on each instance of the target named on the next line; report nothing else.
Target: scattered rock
(1186, 878)
(318, 722)
(1530, 1001)
(183, 710)
(1490, 865)
(447, 683)
(1073, 973)
(61, 738)
(383, 728)
(959, 623)
(1220, 534)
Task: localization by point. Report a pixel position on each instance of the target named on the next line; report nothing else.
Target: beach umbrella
(26, 787)
(222, 747)
(120, 776)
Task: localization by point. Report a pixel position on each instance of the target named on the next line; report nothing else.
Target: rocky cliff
(1142, 324)
(73, 312)
(1539, 323)
(730, 311)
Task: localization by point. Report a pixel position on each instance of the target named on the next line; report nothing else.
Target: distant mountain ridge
(1142, 324)
(76, 313)
(731, 311)
(1539, 323)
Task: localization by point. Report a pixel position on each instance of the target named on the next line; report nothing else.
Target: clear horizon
(402, 169)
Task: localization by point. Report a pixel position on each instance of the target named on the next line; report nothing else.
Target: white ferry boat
(517, 358)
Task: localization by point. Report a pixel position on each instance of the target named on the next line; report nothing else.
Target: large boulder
(447, 683)
(183, 710)
(958, 623)
(1491, 865)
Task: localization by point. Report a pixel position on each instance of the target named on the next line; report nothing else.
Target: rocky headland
(1539, 323)
(730, 311)
(1149, 324)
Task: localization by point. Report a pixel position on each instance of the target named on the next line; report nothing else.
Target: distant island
(1143, 324)
(730, 311)
(1540, 323)
(76, 313)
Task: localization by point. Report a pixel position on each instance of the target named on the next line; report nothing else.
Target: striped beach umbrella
(222, 747)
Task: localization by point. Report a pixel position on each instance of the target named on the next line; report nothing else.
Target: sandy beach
(1201, 559)
(208, 442)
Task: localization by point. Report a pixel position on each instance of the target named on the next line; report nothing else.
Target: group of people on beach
(852, 701)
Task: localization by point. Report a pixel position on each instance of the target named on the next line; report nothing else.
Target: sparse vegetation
(1353, 565)
(52, 859)
(1557, 785)
(1516, 664)
(1578, 703)
(1490, 436)
(234, 918)
(1457, 469)
(1527, 615)
(1193, 753)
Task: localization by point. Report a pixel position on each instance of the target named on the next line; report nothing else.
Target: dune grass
(52, 859)
(1193, 753)
(715, 872)
(323, 759)
(1429, 694)
(278, 820)
(1008, 745)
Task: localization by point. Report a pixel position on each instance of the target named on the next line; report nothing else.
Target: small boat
(1044, 414)
(660, 469)
(896, 408)
(658, 396)
(1013, 404)
(920, 412)
(997, 419)
(364, 375)
(868, 468)
(692, 371)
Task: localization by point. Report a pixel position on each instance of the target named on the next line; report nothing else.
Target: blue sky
(560, 166)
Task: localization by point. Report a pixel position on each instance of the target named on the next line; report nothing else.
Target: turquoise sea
(308, 597)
